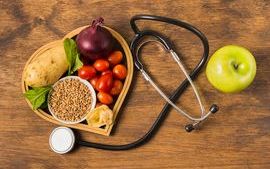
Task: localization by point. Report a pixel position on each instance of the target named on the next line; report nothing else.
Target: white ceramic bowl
(93, 101)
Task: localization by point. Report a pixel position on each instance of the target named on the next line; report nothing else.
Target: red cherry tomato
(93, 81)
(104, 98)
(107, 72)
(115, 57)
(104, 83)
(117, 87)
(120, 71)
(101, 65)
(87, 72)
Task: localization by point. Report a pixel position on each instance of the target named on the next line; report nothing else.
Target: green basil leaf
(68, 51)
(72, 55)
(77, 65)
(37, 96)
(45, 104)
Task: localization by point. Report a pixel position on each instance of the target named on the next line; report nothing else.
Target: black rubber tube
(176, 94)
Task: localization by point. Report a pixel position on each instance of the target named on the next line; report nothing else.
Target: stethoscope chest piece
(62, 140)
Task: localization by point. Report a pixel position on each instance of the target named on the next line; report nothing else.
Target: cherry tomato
(117, 87)
(107, 72)
(105, 98)
(87, 72)
(93, 81)
(120, 71)
(101, 65)
(104, 83)
(115, 57)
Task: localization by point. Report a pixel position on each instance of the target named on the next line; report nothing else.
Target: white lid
(62, 140)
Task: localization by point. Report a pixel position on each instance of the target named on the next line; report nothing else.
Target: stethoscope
(62, 139)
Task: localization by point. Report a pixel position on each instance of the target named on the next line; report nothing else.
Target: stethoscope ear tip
(189, 128)
(214, 108)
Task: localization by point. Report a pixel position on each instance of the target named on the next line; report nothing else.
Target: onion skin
(95, 41)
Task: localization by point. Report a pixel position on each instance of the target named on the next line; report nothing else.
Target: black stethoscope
(56, 137)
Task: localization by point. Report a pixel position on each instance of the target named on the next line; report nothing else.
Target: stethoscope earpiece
(190, 127)
(214, 108)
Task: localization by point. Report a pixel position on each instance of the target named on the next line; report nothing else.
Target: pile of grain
(70, 100)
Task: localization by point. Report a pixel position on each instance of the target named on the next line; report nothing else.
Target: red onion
(94, 41)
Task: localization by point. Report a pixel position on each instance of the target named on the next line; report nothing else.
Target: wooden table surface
(237, 137)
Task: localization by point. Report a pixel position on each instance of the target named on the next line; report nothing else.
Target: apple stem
(235, 66)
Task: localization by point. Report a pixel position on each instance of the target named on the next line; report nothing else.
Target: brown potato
(46, 68)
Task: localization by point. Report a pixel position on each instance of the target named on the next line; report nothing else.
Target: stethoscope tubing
(174, 96)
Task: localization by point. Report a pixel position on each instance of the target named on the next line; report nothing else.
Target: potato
(47, 67)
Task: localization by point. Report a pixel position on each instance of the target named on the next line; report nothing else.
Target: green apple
(231, 69)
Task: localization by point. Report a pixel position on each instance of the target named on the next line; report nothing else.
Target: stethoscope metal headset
(135, 47)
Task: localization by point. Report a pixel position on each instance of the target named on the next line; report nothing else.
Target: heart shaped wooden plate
(117, 105)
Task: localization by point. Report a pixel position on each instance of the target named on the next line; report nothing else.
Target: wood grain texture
(237, 137)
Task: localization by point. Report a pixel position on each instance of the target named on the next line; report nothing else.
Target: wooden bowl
(81, 126)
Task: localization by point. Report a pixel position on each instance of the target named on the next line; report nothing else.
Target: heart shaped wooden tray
(83, 126)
